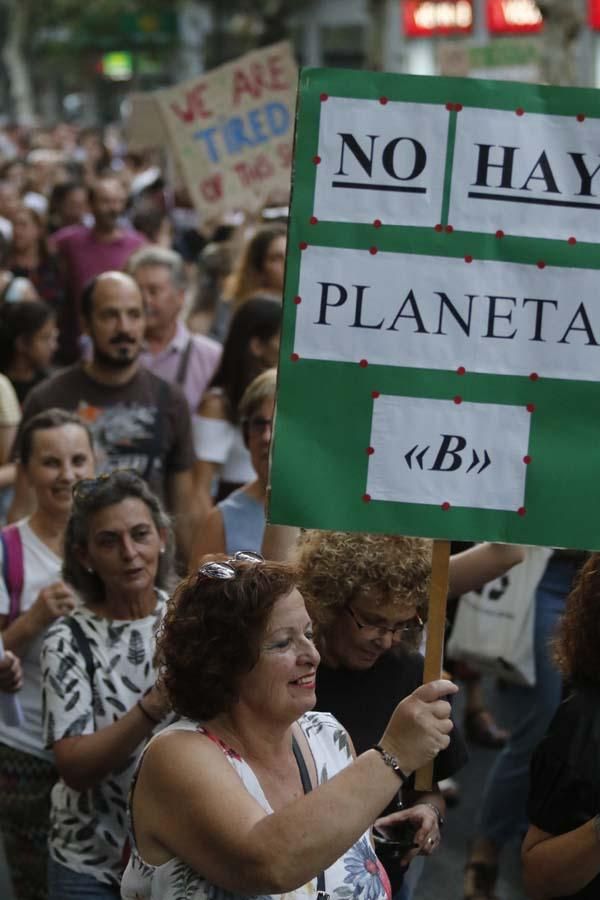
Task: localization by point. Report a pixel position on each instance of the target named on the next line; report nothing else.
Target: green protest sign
(441, 345)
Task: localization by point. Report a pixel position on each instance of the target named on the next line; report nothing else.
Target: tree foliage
(39, 36)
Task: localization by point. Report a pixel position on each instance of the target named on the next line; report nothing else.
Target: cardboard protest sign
(440, 359)
(232, 130)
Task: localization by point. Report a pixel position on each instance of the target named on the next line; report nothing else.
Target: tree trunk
(563, 20)
(21, 93)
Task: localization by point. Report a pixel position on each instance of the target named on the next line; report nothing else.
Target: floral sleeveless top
(358, 873)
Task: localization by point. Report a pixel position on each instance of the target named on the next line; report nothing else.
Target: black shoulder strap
(84, 648)
(183, 364)
(154, 450)
(307, 788)
(304, 776)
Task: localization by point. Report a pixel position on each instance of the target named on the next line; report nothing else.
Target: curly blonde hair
(335, 566)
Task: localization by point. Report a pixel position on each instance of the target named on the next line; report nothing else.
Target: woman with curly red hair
(218, 806)
(561, 850)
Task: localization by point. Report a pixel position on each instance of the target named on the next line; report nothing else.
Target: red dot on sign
(521, 511)
(367, 498)
(580, 117)
(445, 505)
(297, 300)
(461, 370)
(316, 160)
(294, 357)
(303, 245)
(458, 107)
(468, 259)
(383, 100)
(458, 400)
(377, 223)
(534, 376)
(363, 363)
(530, 407)
(324, 97)
(449, 229)
(520, 111)
(499, 233)
(450, 107)
(541, 264)
(572, 240)
(313, 220)
(439, 228)
(526, 460)
(370, 451)
(375, 394)
(372, 250)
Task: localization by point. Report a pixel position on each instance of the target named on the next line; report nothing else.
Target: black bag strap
(83, 646)
(183, 364)
(154, 450)
(307, 788)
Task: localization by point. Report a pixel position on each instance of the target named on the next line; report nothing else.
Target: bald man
(138, 420)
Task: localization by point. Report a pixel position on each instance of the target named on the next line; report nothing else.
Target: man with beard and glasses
(138, 420)
(84, 252)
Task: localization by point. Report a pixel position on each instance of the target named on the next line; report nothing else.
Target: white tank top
(357, 873)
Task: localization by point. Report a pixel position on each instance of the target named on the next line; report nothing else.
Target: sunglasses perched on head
(225, 570)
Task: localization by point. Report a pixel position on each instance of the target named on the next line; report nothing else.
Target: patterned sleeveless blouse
(358, 873)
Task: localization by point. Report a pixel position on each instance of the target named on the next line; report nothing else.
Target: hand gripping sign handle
(436, 623)
(11, 711)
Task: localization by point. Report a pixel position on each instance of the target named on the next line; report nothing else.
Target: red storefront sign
(428, 18)
(594, 14)
(513, 17)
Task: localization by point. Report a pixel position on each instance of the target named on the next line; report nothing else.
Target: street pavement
(443, 874)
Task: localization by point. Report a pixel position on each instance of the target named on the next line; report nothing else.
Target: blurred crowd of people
(138, 355)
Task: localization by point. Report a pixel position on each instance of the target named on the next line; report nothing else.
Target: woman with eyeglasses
(56, 451)
(218, 806)
(238, 521)
(367, 595)
(101, 701)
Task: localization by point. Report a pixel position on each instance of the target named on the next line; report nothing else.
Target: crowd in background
(136, 340)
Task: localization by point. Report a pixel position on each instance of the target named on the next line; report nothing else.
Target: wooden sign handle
(436, 624)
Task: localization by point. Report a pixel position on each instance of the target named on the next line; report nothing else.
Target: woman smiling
(56, 451)
(218, 805)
